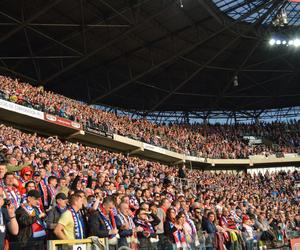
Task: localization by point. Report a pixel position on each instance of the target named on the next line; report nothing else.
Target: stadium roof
(270, 9)
(153, 55)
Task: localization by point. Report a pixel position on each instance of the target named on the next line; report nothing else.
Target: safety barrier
(183, 183)
(85, 244)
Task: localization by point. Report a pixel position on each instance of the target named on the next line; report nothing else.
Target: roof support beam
(35, 65)
(18, 22)
(38, 14)
(175, 56)
(35, 57)
(63, 25)
(76, 33)
(97, 50)
(6, 69)
(207, 6)
(116, 11)
(196, 72)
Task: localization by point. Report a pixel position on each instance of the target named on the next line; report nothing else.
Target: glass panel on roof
(260, 10)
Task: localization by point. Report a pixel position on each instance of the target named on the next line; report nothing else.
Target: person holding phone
(8, 222)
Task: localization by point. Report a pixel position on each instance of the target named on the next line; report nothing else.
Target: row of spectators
(212, 141)
(53, 189)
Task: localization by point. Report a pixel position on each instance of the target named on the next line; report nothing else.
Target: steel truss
(126, 21)
(229, 117)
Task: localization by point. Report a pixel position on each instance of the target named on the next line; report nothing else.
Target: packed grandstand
(136, 203)
(204, 140)
(149, 125)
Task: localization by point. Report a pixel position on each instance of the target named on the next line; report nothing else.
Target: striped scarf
(146, 226)
(193, 227)
(109, 220)
(126, 219)
(13, 195)
(180, 239)
(39, 227)
(78, 224)
(44, 192)
(130, 239)
(53, 192)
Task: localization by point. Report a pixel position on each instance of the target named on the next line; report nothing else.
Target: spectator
(10, 191)
(102, 223)
(248, 232)
(130, 180)
(70, 225)
(126, 227)
(55, 213)
(52, 190)
(180, 233)
(146, 235)
(32, 228)
(8, 222)
(161, 213)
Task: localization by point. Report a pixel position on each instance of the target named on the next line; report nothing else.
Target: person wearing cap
(147, 236)
(54, 214)
(32, 228)
(248, 232)
(70, 225)
(26, 175)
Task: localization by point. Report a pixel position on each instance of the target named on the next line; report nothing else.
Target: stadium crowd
(203, 140)
(53, 189)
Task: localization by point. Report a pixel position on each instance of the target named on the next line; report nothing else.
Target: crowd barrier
(92, 243)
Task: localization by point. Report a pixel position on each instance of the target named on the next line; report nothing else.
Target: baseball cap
(61, 196)
(36, 173)
(245, 218)
(34, 193)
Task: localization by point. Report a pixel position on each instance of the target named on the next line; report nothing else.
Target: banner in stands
(62, 121)
(295, 244)
(21, 109)
(96, 131)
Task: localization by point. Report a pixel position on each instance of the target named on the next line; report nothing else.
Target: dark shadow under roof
(148, 55)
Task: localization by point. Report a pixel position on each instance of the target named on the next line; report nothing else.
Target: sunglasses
(27, 174)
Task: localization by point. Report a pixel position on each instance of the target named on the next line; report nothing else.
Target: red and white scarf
(109, 220)
(13, 195)
(126, 220)
(53, 192)
(180, 240)
(44, 192)
(38, 228)
(2, 183)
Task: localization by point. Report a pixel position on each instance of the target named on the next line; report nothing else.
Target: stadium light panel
(272, 42)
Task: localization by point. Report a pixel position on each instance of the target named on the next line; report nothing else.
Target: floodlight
(272, 42)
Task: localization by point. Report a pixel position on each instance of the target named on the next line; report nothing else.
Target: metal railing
(184, 183)
(92, 243)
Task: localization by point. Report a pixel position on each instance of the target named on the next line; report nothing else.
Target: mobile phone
(7, 202)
